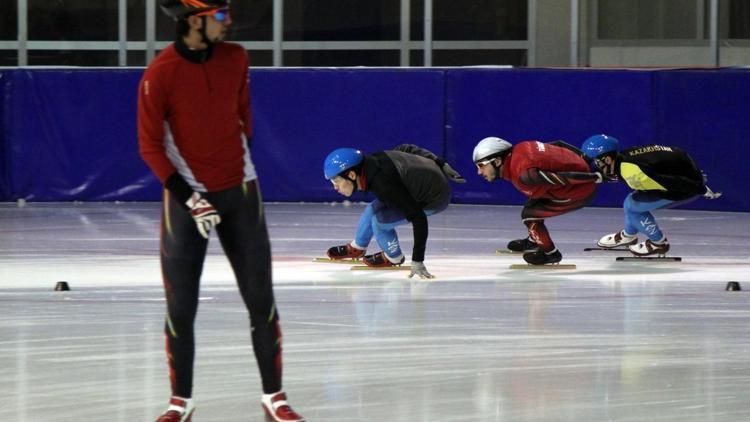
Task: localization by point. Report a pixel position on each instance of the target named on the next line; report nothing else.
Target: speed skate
(507, 252)
(599, 248)
(661, 258)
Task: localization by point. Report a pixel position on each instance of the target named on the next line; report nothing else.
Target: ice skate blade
(649, 258)
(506, 252)
(390, 268)
(599, 248)
(338, 261)
(543, 267)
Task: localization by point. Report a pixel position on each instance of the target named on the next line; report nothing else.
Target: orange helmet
(180, 9)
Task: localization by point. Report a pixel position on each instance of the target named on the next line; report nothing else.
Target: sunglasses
(481, 164)
(219, 14)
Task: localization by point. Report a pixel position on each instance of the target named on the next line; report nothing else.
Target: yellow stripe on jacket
(637, 179)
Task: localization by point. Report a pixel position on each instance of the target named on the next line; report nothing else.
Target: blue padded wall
(70, 134)
(4, 107)
(299, 116)
(73, 136)
(707, 113)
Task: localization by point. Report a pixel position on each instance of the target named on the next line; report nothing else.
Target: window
(136, 26)
(336, 20)
(72, 58)
(9, 21)
(315, 33)
(253, 20)
(72, 20)
(739, 18)
(472, 20)
(651, 19)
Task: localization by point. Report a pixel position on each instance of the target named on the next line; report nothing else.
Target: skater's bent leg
(539, 234)
(385, 234)
(364, 232)
(638, 217)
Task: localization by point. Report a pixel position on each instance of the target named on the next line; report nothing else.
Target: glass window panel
(9, 21)
(739, 19)
(137, 20)
(342, 58)
(472, 20)
(260, 58)
(8, 58)
(252, 20)
(72, 20)
(72, 58)
(136, 58)
(651, 19)
(471, 57)
(336, 20)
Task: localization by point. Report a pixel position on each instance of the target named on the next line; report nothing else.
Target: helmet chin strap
(204, 36)
(497, 170)
(354, 182)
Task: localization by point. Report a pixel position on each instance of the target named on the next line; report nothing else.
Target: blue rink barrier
(4, 172)
(70, 134)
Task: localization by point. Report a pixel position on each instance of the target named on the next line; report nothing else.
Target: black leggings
(536, 210)
(244, 238)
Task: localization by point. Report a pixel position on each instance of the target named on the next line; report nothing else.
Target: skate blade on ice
(391, 268)
(598, 248)
(506, 252)
(649, 258)
(338, 261)
(543, 267)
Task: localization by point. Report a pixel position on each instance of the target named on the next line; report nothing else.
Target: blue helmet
(340, 160)
(597, 145)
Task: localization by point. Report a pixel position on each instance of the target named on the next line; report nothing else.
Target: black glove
(606, 178)
(450, 172)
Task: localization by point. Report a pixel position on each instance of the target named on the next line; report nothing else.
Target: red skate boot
(345, 252)
(380, 260)
(278, 410)
(179, 410)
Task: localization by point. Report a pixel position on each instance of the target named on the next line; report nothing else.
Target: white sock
(356, 246)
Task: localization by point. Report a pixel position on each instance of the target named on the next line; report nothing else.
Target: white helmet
(489, 148)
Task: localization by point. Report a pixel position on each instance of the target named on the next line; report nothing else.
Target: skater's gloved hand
(418, 268)
(711, 194)
(451, 173)
(605, 178)
(204, 214)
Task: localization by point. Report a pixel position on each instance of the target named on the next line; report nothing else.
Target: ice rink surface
(608, 341)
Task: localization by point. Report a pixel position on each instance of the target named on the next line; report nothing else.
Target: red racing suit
(554, 178)
(194, 132)
(194, 118)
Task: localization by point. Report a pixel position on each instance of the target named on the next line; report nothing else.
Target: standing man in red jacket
(554, 177)
(194, 131)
